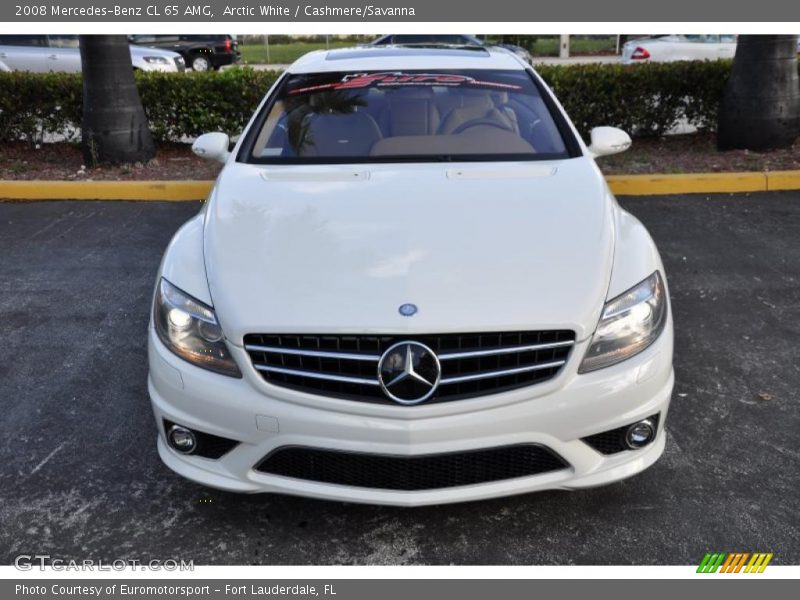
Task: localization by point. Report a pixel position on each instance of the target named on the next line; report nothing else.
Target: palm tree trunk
(114, 127)
(760, 108)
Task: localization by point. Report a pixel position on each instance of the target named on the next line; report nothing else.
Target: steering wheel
(484, 121)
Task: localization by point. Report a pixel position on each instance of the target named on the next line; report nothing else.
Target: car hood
(477, 247)
(150, 51)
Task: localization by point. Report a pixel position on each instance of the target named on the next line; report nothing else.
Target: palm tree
(760, 107)
(114, 127)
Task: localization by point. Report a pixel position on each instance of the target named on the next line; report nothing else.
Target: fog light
(640, 434)
(182, 439)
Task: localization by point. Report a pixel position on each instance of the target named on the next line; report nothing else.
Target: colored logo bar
(734, 562)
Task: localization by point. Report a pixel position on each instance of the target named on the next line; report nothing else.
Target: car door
(694, 47)
(673, 47)
(64, 55)
(713, 49)
(24, 52)
(727, 46)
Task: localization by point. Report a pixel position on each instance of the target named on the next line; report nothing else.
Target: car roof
(469, 40)
(378, 58)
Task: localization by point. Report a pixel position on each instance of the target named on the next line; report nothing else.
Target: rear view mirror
(213, 146)
(608, 140)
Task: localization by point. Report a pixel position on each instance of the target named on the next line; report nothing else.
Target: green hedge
(191, 104)
(642, 99)
(35, 105)
(32, 105)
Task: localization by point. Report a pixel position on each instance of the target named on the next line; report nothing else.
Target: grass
(577, 46)
(543, 46)
(548, 46)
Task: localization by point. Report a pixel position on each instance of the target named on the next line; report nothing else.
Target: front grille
(180, 63)
(613, 440)
(472, 364)
(408, 473)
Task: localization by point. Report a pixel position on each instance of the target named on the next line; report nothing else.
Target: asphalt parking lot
(80, 476)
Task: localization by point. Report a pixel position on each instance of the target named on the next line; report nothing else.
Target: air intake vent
(409, 473)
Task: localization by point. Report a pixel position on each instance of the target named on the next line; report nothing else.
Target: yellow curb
(175, 191)
(692, 183)
(180, 191)
(783, 180)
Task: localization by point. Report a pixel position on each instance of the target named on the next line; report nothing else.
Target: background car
(679, 47)
(200, 52)
(519, 51)
(46, 53)
(447, 40)
(408, 39)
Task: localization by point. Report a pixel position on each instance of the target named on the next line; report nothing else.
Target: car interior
(408, 121)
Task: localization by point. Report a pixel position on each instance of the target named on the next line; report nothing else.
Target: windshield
(406, 115)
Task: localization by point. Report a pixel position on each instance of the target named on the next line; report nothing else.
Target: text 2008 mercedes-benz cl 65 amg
(410, 285)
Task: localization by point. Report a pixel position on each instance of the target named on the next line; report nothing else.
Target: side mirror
(608, 140)
(213, 146)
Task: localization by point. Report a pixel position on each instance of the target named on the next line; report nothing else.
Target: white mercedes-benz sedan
(410, 285)
(671, 48)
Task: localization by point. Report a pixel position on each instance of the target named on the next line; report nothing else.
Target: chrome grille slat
(315, 353)
(313, 375)
(511, 350)
(503, 373)
(472, 364)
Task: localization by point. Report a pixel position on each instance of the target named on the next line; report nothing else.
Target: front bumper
(556, 414)
(169, 67)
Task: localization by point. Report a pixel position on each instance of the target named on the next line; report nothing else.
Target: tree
(760, 108)
(114, 126)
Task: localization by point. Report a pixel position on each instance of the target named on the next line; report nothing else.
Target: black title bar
(377, 11)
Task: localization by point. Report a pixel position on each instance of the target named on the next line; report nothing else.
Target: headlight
(156, 60)
(190, 329)
(629, 324)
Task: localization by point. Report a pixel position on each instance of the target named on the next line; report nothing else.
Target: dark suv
(201, 52)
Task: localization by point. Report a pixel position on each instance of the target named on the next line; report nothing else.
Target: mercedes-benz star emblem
(407, 310)
(409, 372)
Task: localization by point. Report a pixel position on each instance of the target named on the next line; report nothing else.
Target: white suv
(410, 285)
(60, 53)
